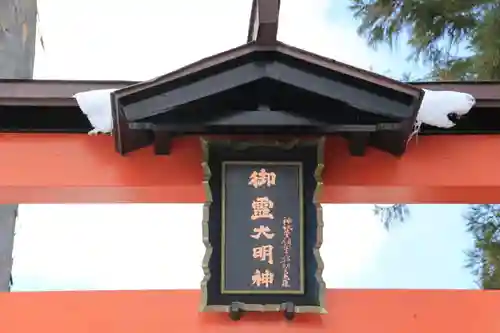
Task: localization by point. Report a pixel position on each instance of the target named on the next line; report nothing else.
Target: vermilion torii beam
(70, 168)
(263, 25)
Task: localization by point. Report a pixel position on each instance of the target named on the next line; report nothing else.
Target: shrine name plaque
(262, 228)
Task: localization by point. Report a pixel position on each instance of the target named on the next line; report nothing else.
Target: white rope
(416, 129)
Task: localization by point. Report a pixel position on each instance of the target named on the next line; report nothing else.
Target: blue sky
(426, 252)
(386, 60)
(391, 61)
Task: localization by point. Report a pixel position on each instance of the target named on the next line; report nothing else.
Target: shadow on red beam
(192, 194)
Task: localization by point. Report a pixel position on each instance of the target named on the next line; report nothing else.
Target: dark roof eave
(299, 54)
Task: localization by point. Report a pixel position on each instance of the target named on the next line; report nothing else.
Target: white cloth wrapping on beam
(434, 110)
(96, 105)
(437, 105)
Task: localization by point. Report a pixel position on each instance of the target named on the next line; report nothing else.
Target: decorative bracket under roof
(266, 89)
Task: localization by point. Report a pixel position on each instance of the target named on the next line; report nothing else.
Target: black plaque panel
(262, 228)
(222, 162)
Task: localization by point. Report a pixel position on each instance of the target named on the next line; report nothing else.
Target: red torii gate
(78, 168)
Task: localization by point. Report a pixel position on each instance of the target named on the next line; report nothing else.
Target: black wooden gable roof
(266, 86)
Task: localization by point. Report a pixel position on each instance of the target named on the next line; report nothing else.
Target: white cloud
(114, 39)
(353, 238)
(156, 246)
(108, 246)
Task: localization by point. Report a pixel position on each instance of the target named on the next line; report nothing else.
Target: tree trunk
(18, 20)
